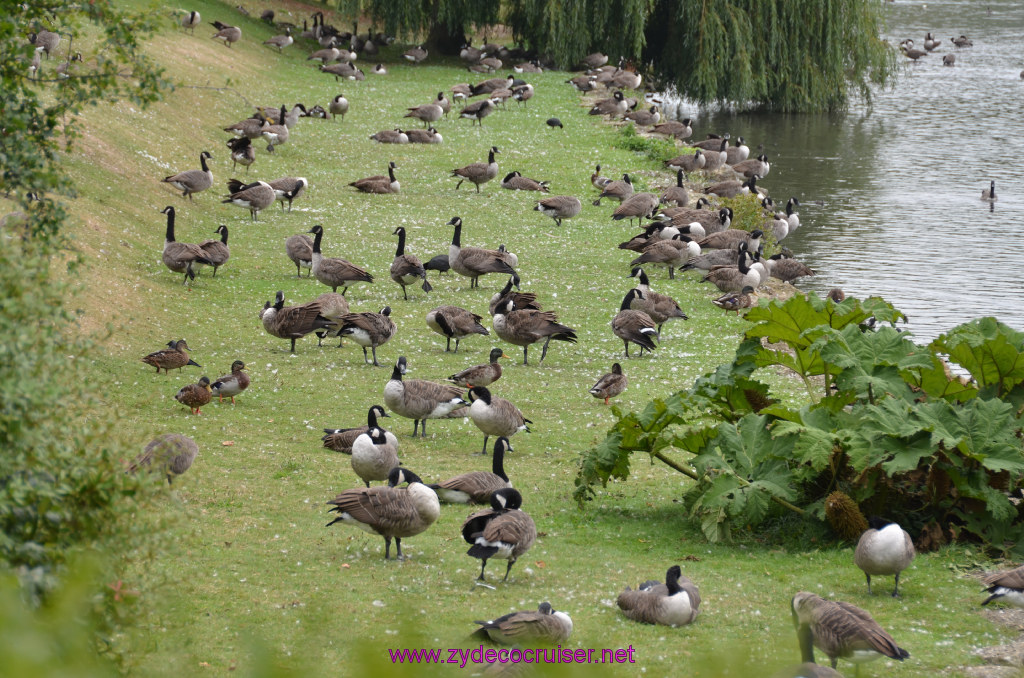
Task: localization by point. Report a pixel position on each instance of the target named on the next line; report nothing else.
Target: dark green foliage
(658, 150)
(895, 430)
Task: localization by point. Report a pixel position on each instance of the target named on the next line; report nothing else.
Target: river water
(891, 192)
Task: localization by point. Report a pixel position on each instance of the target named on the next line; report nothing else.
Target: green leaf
(992, 352)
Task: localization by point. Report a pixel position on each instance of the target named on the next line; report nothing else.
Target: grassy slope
(251, 556)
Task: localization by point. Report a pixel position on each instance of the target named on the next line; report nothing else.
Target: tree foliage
(892, 427)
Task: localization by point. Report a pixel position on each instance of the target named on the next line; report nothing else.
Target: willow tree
(443, 23)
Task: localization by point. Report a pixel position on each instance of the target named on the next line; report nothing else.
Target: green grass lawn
(251, 573)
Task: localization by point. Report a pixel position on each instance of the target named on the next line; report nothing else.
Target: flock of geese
(677, 237)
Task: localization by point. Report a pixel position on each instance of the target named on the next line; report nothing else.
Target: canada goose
(288, 188)
(523, 93)
(194, 396)
(582, 83)
(231, 384)
(389, 511)
(711, 259)
(255, 197)
(281, 41)
(229, 34)
(492, 85)
(559, 207)
(593, 61)
(989, 193)
(478, 172)
(677, 193)
(732, 188)
(930, 43)
(460, 92)
(734, 301)
(729, 279)
(374, 454)
(242, 152)
(884, 548)
(912, 53)
(840, 630)
(522, 299)
(660, 307)
(267, 15)
(616, 190)
(343, 70)
(786, 268)
(477, 486)
(338, 106)
(1007, 586)
(634, 326)
(637, 206)
(675, 128)
(379, 69)
(755, 167)
(949, 60)
(616, 105)
(368, 329)
(275, 134)
(334, 272)
(598, 180)
(293, 322)
(524, 327)
(674, 603)
(250, 128)
(532, 66)
(480, 375)
(455, 323)
(325, 56)
(730, 239)
(406, 268)
(424, 136)
(626, 80)
(390, 136)
(470, 54)
(190, 21)
(737, 153)
(299, 249)
(671, 254)
(170, 453)
(474, 262)
(711, 220)
(644, 118)
(687, 163)
(379, 183)
(962, 41)
(341, 439)
(418, 399)
(333, 306)
(174, 356)
(515, 181)
(650, 235)
(714, 160)
(502, 531)
(545, 625)
(217, 251)
(712, 143)
(179, 256)
(792, 216)
(45, 40)
(416, 54)
(427, 113)
(477, 111)
(610, 385)
(495, 416)
(192, 181)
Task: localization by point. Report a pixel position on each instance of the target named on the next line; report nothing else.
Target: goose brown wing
(475, 524)
(384, 507)
(855, 629)
(512, 527)
(407, 264)
(1012, 579)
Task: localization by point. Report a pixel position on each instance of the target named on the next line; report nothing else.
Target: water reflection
(890, 194)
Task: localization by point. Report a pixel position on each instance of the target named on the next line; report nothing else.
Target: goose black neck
(224, 234)
(672, 581)
(490, 156)
(170, 224)
(202, 161)
(628, 300)
(498, 462)
(396, 374)
(457, 236)
(391, 174)
(401, 239)
(644, 280)
(371, 418)
(316, 241)
(679, 178)
(744, 269)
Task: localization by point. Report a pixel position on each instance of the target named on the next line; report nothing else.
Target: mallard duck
(170, 453)
(610, 384)
(674, 603)
(231, 384)
(174, 356)
(734, 301)
(502, 531)
(194, 396)
(480, 375)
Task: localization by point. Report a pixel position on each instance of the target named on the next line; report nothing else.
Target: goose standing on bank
(675, 128)
(637, 206)
(733, 187)
(660, 307)
(476, 487)
(229, 34)
(616, 190)
(194, 396)
(728, 279)
(737, 153)
(179, 256)
(502, 531)
(389, 511)
(840, 630)
(242, 152)
(559, 207)
(480, 375)
(217, 251)
(275, 134)
(192, 181)
(634, 326)
(418, 399)
(884, 548)
(687, 163)
(190, 21)
(477, 111)
(610, 384)
(341, 439)
(989, 193)
(338, 106)
(254, 197)
(374, 454)
(474, 262)
(288, 189)
(672, 254)
(749, 168)
(528, 627)
(478, 172)
(452, 322)
(677, 193)
(379, 183)
(522, 299)
(1007, 586)
(232, 384)
(281, 41)
(369, 330)
(495, 416)
(674, 603)
(170, 453)
(786, 268)
(335, 272)
(406, 268)
(299, 249)
(524, 327)
(293, 322)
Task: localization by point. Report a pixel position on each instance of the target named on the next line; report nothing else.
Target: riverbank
(248, 554)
